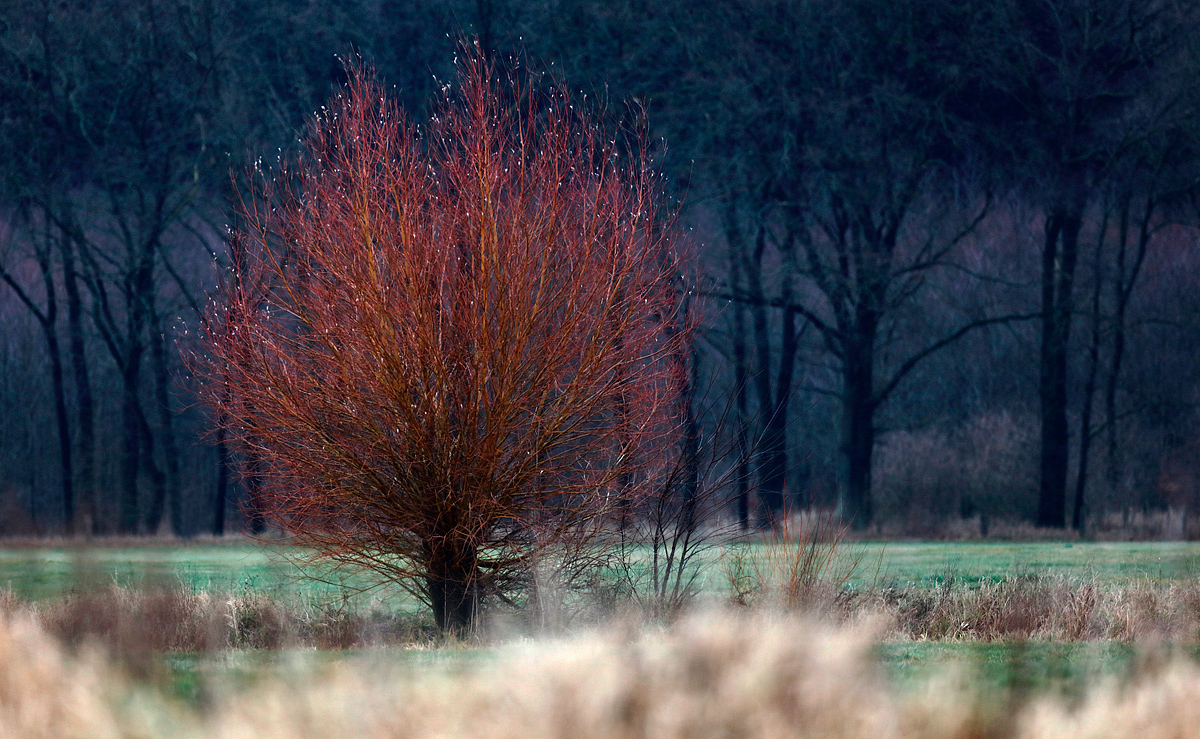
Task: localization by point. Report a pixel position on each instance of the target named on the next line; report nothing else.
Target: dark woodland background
(950, 250)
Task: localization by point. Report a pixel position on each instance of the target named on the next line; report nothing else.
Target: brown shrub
(984, 471)
(129, 621)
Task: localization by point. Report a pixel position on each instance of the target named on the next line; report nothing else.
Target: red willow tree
(451, 351)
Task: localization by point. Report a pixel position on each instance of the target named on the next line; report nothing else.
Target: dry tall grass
(718, 676)
(802, 575)
(135, 626)
(802, 565)
(1039, 608)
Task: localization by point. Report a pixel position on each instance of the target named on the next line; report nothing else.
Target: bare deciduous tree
(454, 351)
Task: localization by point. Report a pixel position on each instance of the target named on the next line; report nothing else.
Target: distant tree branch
(920, 356)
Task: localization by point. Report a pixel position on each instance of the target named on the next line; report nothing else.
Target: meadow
(193, 626)
(43, 571)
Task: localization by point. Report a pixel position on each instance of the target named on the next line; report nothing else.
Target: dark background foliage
(949, 247)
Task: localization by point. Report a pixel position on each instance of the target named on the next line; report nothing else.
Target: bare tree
(454, 353)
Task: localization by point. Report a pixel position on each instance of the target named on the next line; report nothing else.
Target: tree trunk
(66, 470)
(773, 476)
(1125, 285)
(453, 585)
(221, 497)
(740, 378)
(252, 504)
(858, 443)
(158, 480)
(47, 319)
(858, 420)
(691, 442)
(1059, 255)
(455, 605)
(88, 518)
(166, 428)
(137, 286)
(768, 507)
(1089, 387)
(772, 401)
(131, 432)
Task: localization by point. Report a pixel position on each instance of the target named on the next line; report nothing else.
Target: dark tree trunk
(88, 519)
(47, 318)
(1115, 470)
(168, 496)
(158, 480)
(858, 427)
(740, 378)
(1059, 255)
(58, 385)
(221, 497)
(1089, 387)
(1125, 285)
(775, 451)
(691, 443)
(64, 428)
(455, 605)
(768, 507)
(137, 287)
(772, 401)
(252, 502)
(453, 585)
(131, 432)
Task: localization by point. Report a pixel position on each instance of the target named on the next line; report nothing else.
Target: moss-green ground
(233, 565)
(42, 572)
(928, 563)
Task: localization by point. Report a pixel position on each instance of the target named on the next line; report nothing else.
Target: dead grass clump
(1163, 705)
(256, 621)
(1024, 607)
(802, 565)
(47, 695)
(135, 625)
(127, 621)
(1021, 607)
(706, 678)
(1015, 608)
(710, 677)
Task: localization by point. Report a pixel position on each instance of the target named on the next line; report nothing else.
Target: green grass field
(924, 563)
(234, 565)
(43, 572)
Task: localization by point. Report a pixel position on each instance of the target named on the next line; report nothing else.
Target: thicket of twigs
(450, 351)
